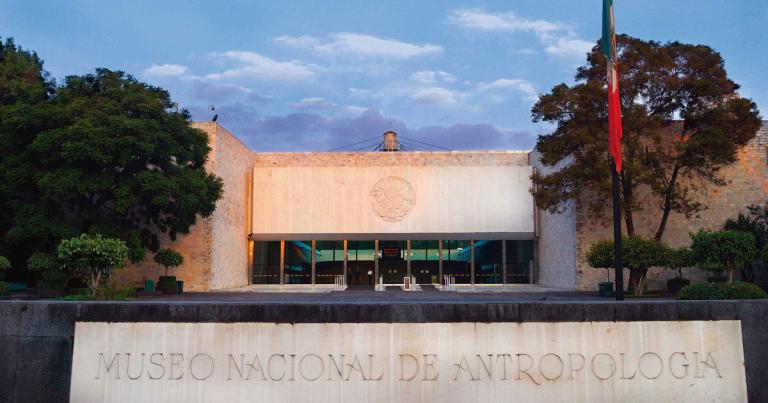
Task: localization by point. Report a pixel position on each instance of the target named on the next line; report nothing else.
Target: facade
(318, 220)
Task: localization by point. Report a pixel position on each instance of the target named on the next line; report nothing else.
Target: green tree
(92, 255)
(683, 121)
(678, 259)
(168, 258)
(638, 255)
(755, 225)
(723, 250)
(5, 264)
(104, 153)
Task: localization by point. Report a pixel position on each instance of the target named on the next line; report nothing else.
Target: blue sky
(314, 75)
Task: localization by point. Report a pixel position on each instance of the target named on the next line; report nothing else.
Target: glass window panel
(266, 262)
(488, 260)
(329, 261)
(456, 260)
(519, 261)
(298, 262)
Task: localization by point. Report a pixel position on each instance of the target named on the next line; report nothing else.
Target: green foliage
(638, 255)
(723, 250)
(40, 261)
(102, 153)
(168, 258)
(93, 255)
(670, 158)
(678, 259)
(107, 291)
(5, 264)
(5, 289)
(739, 290)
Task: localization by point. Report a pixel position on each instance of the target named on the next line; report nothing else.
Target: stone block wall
(410, 158)
(747, 183)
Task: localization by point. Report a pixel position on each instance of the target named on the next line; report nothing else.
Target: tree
(104, 153)
(94, 256)
(5, 264)
(678, 259)
(754, 225)
(168, 258)
(723, 250)
(683, 121)
(638, 255)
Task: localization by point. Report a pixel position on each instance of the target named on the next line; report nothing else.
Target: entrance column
(440, 262)
(408, 256)
(282, 262)
(314, 248)
(504, 262)
(472, 262)
(375, 263)
(345, 262)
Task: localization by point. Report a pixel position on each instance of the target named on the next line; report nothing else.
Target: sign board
(692, 361)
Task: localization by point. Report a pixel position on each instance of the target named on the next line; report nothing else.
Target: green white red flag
(614, 101)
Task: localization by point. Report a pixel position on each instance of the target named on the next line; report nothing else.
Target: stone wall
(747, 183)
(215, 250)
(373, 159)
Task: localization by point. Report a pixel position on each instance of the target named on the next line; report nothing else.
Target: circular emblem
(392, 198)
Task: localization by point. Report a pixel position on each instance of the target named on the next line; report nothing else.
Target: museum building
(464, 220)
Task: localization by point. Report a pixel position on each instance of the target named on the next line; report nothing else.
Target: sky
(317, 75)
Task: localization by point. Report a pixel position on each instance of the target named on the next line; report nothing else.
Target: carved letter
(463, 365)
(255, 365)
(293, 366)
(269, 367)
(192, 362)
(402, 367)
(559, 362)
(685, 365)
(319, 373)
(612, 365)
(232, 363)
(371, 376)
(157, 364)
(520, 370)
(504, 358)
(128, 367)
(176, 364)
(115, 361)
(487, 367)
(430, 364)
(710, 363)
(658, 359)
(624, 368)
(333, 364)
(574, 370)
(355, 366)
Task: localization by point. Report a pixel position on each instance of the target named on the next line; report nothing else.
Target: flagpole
(619, 269)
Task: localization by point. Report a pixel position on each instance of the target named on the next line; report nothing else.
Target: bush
(168, 258)
(638, 255)
(723, 250)
(93, 255)
(715, 291)
(5, 289)
(107, 292)
(49, 266)
(5, 264)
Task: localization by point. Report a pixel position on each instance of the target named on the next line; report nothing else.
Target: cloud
(435, 96)
(524, 86)
(255, 65)
(525, 52)
(569, 47)
(165, 70)
(306, 131)
(211, 91)
(431, 77)
(558, 39)
(313, 103)
(360, 45)
(478, 19)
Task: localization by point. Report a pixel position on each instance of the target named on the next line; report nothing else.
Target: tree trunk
(95, 277)
(626, 190)
(636, 284)
(730, 275)
(667, 203)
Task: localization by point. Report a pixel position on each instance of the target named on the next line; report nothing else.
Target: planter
(168, 288)
(180, 284)
(676, 284)
(167, 279)
(605, 289)
(149, 286)
(50, 292)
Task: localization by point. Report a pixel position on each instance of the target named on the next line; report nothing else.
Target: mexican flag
(614, 102)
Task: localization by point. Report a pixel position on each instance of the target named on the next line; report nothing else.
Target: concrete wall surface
(37, 338)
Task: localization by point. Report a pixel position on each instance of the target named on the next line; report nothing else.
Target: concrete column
(504, 262)
(472, 262)
(282, 262)
(408, 257)
(250, 261)
(440, 261)
(375, 262)
(314, 248)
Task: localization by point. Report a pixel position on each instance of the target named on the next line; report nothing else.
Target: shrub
(723, 250)
(5, 264)
(739, 290)
(678, 259)
(107, 292)
(168, 258)
(5, 289)
(638, 255)
(49, 266)
(93, 255)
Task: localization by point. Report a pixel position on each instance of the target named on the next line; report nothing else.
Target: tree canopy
(683, 121)
(102, 153)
